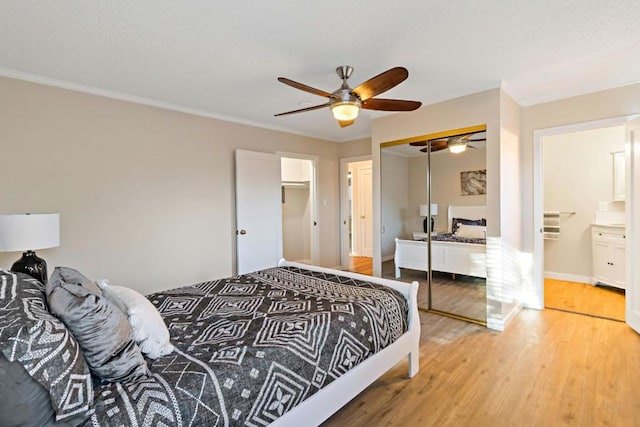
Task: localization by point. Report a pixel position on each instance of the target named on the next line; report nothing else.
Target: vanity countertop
(608, 225)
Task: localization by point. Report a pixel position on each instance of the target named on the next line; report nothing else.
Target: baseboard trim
(387, 258)
(569, 277)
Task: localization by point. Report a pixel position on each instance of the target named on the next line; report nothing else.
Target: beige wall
(296, 224)
(145, 195)
(355, 148)
(445, 188)
(578, 174)
(394, 203)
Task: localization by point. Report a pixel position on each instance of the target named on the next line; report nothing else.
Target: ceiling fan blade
(303, 87)
(345, 123)
(418, 144)
(436, 145)
(390, 104)
(315, 107)
(433, 150)
(381, 83)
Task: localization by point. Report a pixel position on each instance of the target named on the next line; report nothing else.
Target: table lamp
(27, 233)
(424, 212)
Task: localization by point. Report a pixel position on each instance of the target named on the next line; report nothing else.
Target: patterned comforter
(451, 237)
(250, 348)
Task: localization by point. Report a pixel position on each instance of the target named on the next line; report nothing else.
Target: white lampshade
(25, 232)
(424, 209)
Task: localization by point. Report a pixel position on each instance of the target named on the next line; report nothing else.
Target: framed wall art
(473, 182)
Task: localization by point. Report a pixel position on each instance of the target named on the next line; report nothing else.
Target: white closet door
(632, 153)
(258, 211)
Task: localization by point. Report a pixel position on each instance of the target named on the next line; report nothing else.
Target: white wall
(145, 195)
(578, 173)
(394, 201)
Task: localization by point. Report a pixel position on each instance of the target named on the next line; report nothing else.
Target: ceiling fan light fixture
(345, 110)
(458, 147)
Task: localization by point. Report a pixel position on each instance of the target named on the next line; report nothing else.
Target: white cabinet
(608, 253)
(618, 177)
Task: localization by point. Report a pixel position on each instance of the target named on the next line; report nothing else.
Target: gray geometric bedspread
(250, 348)
(451, 237)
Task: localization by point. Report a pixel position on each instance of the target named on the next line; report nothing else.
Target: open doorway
(298, 209)
(356, 184)
(582, 212)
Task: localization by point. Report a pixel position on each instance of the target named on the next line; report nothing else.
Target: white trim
(538, 194)
(578, 278)
(387, 258)
(47, 81)
(501, 324)
(572, 94)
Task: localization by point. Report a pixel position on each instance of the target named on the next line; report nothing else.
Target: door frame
(535, 299)
(344, 206)
(314, 234)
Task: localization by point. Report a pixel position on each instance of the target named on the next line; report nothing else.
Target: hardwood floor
(549, 368)
(463, 296)
(361, 264)
(585, 299)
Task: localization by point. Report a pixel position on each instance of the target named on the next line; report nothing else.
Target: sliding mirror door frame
(429, 275)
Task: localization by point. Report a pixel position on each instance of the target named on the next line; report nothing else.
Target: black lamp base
(425, 226)
(32, 265)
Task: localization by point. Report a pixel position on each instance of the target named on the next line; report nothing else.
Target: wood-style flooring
(462, 296)
(549, 368)
(601, 301)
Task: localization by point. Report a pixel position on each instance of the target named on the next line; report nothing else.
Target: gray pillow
(25, 402)
(101, 329)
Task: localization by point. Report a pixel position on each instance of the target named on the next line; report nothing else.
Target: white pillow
(471, 231)
(149, 330)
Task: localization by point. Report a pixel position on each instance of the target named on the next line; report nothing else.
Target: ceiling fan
(345, 103)
(456, 143)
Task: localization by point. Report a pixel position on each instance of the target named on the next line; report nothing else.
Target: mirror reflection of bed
(458, 286)
(458, 261)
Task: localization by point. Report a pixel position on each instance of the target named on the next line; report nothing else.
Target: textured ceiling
(222, 59)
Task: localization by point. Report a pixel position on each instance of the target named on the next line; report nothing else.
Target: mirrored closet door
(433, 197)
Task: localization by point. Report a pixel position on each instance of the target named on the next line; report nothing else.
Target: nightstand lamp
(424, 212)
(28, 232)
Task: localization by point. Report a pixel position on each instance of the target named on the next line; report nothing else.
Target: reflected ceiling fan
(455, 144)
(345, 103)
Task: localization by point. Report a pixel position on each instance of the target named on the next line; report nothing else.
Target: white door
(365, 206)
(632, 152)
(258, 211)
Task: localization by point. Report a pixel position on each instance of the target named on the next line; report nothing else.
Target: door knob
(243, 231)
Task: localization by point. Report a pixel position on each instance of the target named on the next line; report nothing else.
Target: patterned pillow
(42, 344)
(457, 221)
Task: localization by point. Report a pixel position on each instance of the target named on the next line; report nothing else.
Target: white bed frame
(327, 401)
(448, 257)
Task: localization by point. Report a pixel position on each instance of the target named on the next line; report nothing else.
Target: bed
(450, 253)
(286, 346)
